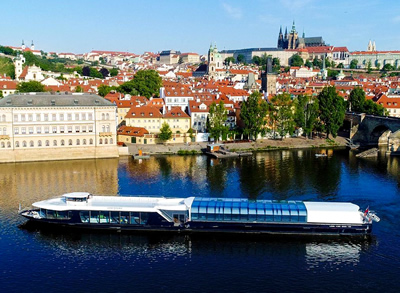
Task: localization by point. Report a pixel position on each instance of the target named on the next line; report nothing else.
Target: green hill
(7, 67)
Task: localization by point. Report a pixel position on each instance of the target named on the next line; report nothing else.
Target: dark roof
(313, 40)
(251, 50)
(56, 100)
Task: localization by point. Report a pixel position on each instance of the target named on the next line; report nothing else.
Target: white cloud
(233, 12)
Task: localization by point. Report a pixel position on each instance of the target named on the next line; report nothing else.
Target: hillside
(7, 67)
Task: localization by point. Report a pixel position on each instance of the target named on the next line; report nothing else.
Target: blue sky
(78, 26)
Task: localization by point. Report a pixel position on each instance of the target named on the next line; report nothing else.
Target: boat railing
(165, 215)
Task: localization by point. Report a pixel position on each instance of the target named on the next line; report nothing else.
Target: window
(24, 144)
(37, 117)
(46, 117)
(111, 141)
(91, 141)
(90, 128)
(108, 128)
(83, 116)
(30, 117)
(78, 142)
(31, 144)
(84, 142)
(69, 116)
(8, 144)
(70, 142)
(103, 116)
(62, 142)
(90, 116)
(17, 144)
(54, 143)
(47, 143)
(101, 141)
(38, 129)
(83, 128)
(77, 128)
(62, 129)
(23, 130)
(103, 128)
(106, 141)
(30, 130)
(3, 145)
(69, 129)
(76, 116)
(54, 129)
(22, 117)
(46, 129)
(3, 118)
(54, 117)
(16, 130)
(108, 116)
(39, 143)
(16, 118)
(61, 117)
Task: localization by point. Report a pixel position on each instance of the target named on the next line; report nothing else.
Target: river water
(50, 261)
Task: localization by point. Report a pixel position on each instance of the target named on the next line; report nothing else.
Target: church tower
(18, 63)
(268, 80)
(23, 45)
(32, 46)
(280, 39)
(293, 38)
(369, 48)
(214, 61)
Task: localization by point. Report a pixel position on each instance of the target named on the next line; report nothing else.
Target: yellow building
(45, 126)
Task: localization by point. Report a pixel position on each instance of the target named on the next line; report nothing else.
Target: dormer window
(151, 114)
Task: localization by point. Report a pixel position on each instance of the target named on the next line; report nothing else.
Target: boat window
(135, 218)
(114, 217)
(277, 212)
(244, 212)
(285, 213)
(104, 217)
(252, 212)
(63, 215)
(124, 217)
(235, 211)
(203, 207)
(228, 211)
(84, 216)
(42, 213)
(94, 217)
(144, 218)
(211, 207)
(294, 213)
(50, 214)
(269, 213)
(219, 210)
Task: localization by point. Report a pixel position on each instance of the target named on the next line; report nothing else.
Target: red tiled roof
(144, 112)
(132, 131)
(176, 112)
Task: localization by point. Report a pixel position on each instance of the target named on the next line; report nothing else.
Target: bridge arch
(380, 135)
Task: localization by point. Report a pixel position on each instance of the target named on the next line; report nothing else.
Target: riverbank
(259, 145)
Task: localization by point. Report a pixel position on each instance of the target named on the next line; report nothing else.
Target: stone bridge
(371, 130)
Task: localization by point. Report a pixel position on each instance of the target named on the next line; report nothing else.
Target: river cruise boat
(199, 214)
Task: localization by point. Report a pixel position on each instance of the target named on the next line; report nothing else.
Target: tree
(216, 121)
(256, 60)
(145, 83)
(372, 108)
(377, 64)
(331, 110)
(103, 90)
(306, 113)
(1, 94)
(104, 72)
(276, 65)
(296, 60)
(94, 73)
(387, 67)
(229, 60)
(308, 64)
(86, 71)
(180, 60)
(340, 65)
(240, 58)
(78, 89)
(317, 62)
(165, 132)
(30, 86)
(357, 100)
(113, 72)
(253, 113)
(283, 114)
(353, 64)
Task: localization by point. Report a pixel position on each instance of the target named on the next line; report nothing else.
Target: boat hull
(192, 227)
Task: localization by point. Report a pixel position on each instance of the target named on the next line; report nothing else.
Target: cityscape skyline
(192, 26)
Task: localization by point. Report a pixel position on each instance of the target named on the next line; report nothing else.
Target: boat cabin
(75, 198)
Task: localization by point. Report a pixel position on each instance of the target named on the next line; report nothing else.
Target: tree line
(282, 114)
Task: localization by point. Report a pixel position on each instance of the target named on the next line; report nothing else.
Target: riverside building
(48, 126)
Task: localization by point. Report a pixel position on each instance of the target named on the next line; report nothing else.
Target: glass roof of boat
(76, 195)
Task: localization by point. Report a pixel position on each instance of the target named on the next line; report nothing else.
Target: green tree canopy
(357, 100)
(165, 132)
(306, 113)
(353, 64)
(296, 60)
(113, 72)
(145, 83)
(283, 114)
(253, 113)
(103, 90)
(309, 64)
(229, 60)
(331, 110)
(216, 121)
(30, 86)
(372, 108)
(317, 62)
(240, 58)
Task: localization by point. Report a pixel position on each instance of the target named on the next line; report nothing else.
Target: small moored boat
(197, 214)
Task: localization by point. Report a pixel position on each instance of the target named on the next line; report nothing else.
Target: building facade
(45, 126)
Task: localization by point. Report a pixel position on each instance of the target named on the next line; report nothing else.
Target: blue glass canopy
(244, 210)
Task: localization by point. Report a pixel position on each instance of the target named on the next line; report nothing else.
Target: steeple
(369, 48)
(373, 47)
(23, 45)
(293, 27)
(286, 33)
(304, 35)
(32, 46)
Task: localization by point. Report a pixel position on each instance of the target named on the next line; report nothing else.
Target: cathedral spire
(293, 27)
(286, 33)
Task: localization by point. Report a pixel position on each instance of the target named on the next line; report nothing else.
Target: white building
(45, 126)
